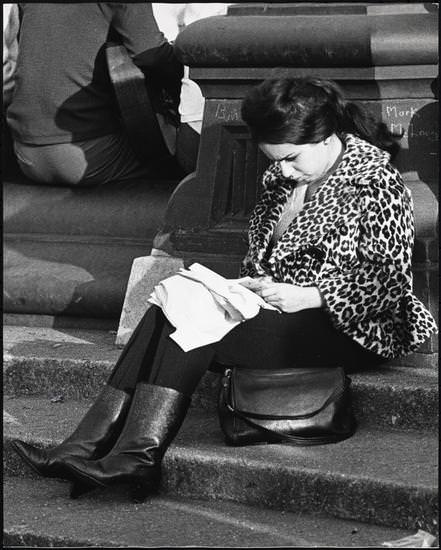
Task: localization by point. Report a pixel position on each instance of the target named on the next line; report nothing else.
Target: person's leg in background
(187, 147)
(91, 162)
(83, 163)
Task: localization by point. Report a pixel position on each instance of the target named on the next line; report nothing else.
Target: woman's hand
(255, 283)
(290, 298)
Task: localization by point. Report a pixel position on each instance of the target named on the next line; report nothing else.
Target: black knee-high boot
(155, 416)
(93, 437)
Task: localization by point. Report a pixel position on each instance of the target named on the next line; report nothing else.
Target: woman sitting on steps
(330, 245)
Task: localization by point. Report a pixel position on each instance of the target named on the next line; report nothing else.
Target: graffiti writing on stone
(417, 121)
(411, 118)
(228, 112)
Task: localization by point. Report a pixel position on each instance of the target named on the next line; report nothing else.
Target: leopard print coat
(353, 240)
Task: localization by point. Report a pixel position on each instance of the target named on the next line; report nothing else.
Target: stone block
(146, 273)
(425, 209)
(433, 251)
(425, 250)
(434, 299)
(387, 477)
(421, 285)
(420, 360)
(69, 251)
(287, 41)
(420, 251)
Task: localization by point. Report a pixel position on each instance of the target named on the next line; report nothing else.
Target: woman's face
(303, 163)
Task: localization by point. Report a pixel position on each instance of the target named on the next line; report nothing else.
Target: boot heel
(143, 487)
(156, 414)
(79, 489)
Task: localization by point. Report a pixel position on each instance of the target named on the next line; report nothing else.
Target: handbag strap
(296, 438)
(336, 394)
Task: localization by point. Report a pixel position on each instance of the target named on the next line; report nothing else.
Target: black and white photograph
(220, 274)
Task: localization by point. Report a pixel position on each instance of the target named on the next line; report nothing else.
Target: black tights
(269, 340)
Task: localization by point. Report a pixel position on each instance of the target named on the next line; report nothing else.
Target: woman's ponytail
(308, 110)
(355, 119)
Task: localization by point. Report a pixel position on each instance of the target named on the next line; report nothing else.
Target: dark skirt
(271, 340)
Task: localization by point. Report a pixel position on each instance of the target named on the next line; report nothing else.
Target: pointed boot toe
(78, 489)
(155, 416)
(93, 437)
(38, 459)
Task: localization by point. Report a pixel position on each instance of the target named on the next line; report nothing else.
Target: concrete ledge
(128, 209)
(75, 364)
(69, 251)
(39, 513)
(69, 278)
(371, 477)
(332, 8)
(58, 321)
(287, 40)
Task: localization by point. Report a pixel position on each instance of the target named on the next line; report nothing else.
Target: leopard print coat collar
(353, 240)
(334, 203)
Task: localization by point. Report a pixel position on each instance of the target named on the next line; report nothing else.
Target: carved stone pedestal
(384, 56)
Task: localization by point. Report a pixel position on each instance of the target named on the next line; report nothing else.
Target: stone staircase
(380, 485)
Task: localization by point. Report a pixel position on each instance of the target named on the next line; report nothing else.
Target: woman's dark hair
(308, 110)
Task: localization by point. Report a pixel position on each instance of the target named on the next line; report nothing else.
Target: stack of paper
(204, 306)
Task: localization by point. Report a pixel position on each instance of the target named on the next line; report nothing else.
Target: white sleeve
(191, 106)
(167, 18)
(171, 19)
(10, 49)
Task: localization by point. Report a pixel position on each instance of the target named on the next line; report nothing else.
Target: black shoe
(155, 417)
(93, 437)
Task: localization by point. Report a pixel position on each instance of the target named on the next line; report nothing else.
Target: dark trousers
(271, 340)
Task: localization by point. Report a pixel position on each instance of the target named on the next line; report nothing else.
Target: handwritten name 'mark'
(395, 112)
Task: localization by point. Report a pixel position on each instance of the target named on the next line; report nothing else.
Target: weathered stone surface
(76, 258)
(73, 364)
(383, 477)
(287, 41)
(129, 209)
(426, 213)
(419, 360)
(39, 513)
(433, 250)
(355, 476)
(334, 8)
(146, 273)
(65, 277)
(65, 363)
(58, 321)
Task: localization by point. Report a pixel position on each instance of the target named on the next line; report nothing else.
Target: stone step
(40, 514)
(75, 364)
(381, 477)
(59, 322)
(69, 251)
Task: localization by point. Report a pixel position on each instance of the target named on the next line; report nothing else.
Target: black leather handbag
(309, 406)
